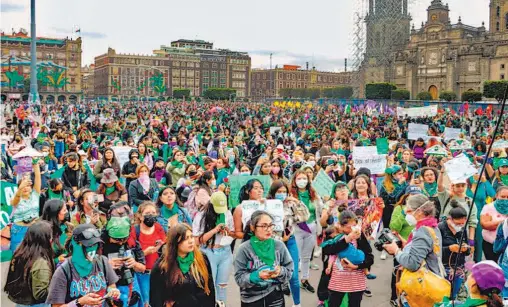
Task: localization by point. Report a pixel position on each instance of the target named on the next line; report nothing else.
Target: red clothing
(149, 240)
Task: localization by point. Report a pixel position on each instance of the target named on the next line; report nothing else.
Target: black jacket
(81, 176)
(339, 245)
(448, 238)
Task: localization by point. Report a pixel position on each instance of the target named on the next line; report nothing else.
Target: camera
(125, 272)
(386, 237)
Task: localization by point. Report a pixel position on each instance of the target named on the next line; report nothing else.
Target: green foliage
(158, 83)
(340, 92)
(494, 89)
(424, 96)
(472, 96)
(381, 90)
(448, 96)
(401, 94)
(219, 93)
(160, 98)
(115, 85)
(179, 93)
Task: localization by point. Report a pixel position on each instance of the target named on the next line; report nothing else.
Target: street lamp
(33, 98)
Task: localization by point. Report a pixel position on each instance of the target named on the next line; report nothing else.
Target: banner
(323, 184)
(369, 210)
(361, 151)
(459, 169)
(416, 131)
(272, 206)
(275, 130)
(7, 193)
(237, 182)
(417, 111)
(452, 133)
(500, 144)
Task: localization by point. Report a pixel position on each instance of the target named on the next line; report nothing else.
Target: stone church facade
(440, 56)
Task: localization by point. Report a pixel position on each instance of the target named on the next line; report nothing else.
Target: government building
(440, 56)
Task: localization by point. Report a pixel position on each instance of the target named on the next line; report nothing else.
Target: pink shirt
(490, 210)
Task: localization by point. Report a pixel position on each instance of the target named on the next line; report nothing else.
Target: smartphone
(345, 260)
(330, 162)
(100, 198)
(417, 173)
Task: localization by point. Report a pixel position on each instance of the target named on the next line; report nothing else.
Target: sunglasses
(87, 234)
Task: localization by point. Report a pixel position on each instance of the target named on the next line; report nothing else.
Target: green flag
(382, 146)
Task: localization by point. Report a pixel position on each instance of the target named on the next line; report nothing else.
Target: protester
(486, 284)
(252, 191)
(108, 161)
(129, 168)
(111, 189)
(171, 210)
(143, 188)
(201, 193)
(75, 176)
(56, 213)
(160, 174)
(491, 217)
(88, 210)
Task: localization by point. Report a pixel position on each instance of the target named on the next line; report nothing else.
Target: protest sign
(417, 112)
(436, 150)
(500, 144)
(382, 146)
(362, 151)
(416, 131)
(375, 163)
(452, 133)
(272, 206)
(122, 154)
(275, 130)
(237, 182)
(459, 144)
(7, 193)
(323, 184)
(370, 211)
(459, 169)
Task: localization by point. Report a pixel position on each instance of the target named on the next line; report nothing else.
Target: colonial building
(441, 55)
(87, 74)
(58, 66)
(268, 82)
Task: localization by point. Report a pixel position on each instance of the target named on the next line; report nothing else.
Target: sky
(294, 31)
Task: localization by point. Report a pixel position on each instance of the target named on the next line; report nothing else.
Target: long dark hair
(35, 245)
(276, 185)
(369, 186)
(208, 223)
(169, 264)
(50, 213)
(81, 198)
(114, 162)
(203, 179)
(245, 190)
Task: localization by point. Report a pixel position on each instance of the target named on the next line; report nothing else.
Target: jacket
(421, 248)
(183, 217)
(398, 223)
(137, 195)
(176, 173)
(82, 178)
(36, 291)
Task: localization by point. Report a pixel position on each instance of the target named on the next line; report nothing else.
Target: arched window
(498, 12)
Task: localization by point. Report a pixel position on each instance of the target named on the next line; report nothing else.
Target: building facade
(87, 74)
(268, 82)
(58, 65)
(441, 56)
(119, 76)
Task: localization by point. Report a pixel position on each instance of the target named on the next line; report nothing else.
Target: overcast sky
(295, 31)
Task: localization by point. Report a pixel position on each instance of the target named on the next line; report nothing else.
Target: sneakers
(367, 293)
(317, 252)
(383, 255)
(394, 303)
(371, 276)
(306, 286)
(314, 266)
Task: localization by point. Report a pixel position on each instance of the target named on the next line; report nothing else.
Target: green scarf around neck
(110, 190)
(504, 179)
(177, 164)
(53, 195)
(265, 250)
(167, 213)
(185, 263)
(430, 188)
(221, 219)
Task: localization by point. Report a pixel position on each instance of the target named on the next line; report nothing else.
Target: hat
(502, 162)
(488, 275)
(118, 227)
(413, 190)
(86, 234)
(219, 202)
(392, 169)
(109, 176)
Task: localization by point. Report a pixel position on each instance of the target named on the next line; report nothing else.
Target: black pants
(394, 280)
(387, 215)
(488, 250)
(322, 289)
(355, 299)
(274, 299)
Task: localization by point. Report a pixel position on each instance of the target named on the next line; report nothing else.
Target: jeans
(144, 287)
(274, 299)
(36, 305)
(294, 282)
(124, 294)
(306, 242)
(221, 261)
(59, 149)
(355, 298)
(17, 234)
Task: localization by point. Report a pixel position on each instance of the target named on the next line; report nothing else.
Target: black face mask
(149, 220)
(67, 217)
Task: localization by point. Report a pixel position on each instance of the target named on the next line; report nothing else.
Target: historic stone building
(440, 56)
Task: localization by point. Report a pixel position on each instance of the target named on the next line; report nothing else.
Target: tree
(285, 92)
(340, 92)
(495, 89)
(472, 96)
(379, 90)
(179, 93)
(424, 96)
(219, 93)
(401, 95)
(448, 96)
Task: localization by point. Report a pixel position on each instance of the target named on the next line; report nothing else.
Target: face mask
(91, 252)
(501, 206)
(245, 173)
(411, 220)
(213, 184)
(149, 220)
(455, 227)
(275, 170)
(192, 173)
(302, 183)
(311, 163)
(45, 154)
(281, 196)
(67, 217)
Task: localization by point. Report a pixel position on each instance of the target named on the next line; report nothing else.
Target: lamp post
(33, 98)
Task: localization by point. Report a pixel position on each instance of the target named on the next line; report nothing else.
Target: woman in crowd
(151, 237)
(111, 190)
(83, 263)
(160, 174)
(491, 217)
(88, 210)
(306, 233)
(31, 267)
(362, 188)
(263, 167)
(223, 170)
(16, 145)
(129, 168)
(108, 161)
(56, 213)
(393, 187)
(261, 263)
(143, 188)
(213, 228)
(144, 155)
(75, 176)
(454, 256)
(182, 276)
(485, 284)
(252, 191)
(201, 193)
(501, 175)
(55, 191)
(25, 205)
(177, 166)
(171, 210)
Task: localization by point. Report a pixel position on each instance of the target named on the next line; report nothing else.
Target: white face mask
(213, 184)
(311, 163)
(411, 220)
(457, 228)
(302, 183)
(245, 173)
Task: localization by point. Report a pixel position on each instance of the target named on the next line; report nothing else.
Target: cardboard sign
(417, 112)
(416, 131)
(237, 182)
(272, 206)
(459, 169)
(323, 184)
(122, 154)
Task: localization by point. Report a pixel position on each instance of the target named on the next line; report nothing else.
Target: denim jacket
(183, 217)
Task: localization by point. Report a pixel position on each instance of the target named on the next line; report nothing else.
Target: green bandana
(110, 190)
(83, 266)
(85, 145)
(53, 195)
(265, 250)
(430, 188)
(221, 219)
(185, 263)
(167, 213)
(141, 158)
(177, 164)
(504, 179)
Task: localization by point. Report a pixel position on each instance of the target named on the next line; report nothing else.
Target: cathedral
(440, 56)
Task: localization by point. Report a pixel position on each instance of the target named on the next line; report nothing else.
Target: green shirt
(304, 197)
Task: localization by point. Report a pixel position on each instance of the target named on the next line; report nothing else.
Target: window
(498, 12)
(502, 76)
(190, 64)
(205, 73)
(206, 80)
(197, 66)
(497, 26)
(502, 66)
(214, 65)
(176, 64)
(205, 65)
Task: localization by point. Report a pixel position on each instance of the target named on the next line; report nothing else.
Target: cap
(392, 169)
(118, 227)
(413, 190)
(219, 202)
(109, 176)
(488, 275)
(86, 234)
(502, 162)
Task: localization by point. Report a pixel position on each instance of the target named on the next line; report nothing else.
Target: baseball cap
(488, 275)
(87, 235)
(219, 202)
(413, 190)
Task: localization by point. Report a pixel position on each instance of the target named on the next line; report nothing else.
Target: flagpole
(34, 93)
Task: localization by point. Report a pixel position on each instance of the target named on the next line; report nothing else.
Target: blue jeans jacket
(183, 217)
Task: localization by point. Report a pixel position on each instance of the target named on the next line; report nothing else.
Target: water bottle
(155, 195)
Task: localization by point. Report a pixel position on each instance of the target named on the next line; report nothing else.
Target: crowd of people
(163, 226)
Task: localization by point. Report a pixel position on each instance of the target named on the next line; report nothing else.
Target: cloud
(11, 7)
(281, 57)
(85, 34)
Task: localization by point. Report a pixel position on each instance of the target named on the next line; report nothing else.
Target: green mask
(83, 263)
